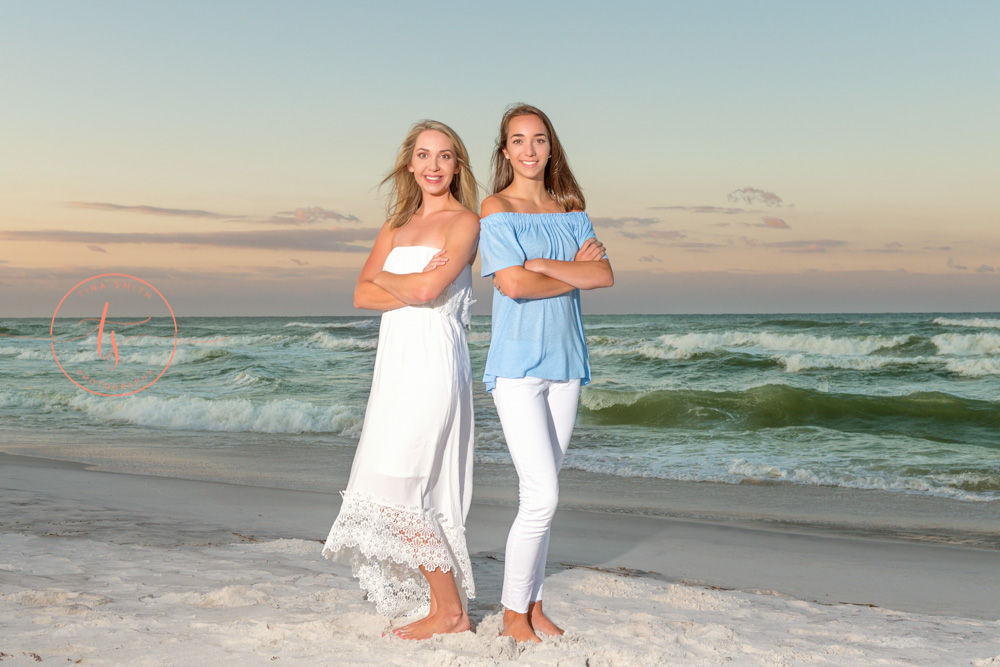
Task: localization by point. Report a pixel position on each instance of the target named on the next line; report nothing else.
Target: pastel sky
(735, 156)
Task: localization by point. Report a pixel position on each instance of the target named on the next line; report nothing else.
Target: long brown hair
(559, 179)
(405, 196)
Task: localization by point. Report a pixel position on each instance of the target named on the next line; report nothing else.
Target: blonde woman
(539, 247)
(402, 521)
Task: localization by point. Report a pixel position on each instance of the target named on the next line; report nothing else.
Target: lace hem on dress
(386, 545)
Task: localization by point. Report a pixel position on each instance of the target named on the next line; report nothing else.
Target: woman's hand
(437, 260)
(496, 284)
(592, 250)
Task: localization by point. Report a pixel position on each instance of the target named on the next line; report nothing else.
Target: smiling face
(433, 162)
(528, 146)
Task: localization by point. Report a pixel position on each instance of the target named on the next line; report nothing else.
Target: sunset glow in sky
(735, 156)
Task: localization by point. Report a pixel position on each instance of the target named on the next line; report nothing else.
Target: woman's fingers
(591, 250)
(437, 260)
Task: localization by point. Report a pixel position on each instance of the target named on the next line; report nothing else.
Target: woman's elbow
(424, 294)
(361, 300)
(510, 288)
(609, 275)
(605, 279)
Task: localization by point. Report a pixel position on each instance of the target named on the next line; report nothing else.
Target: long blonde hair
(559, 179)
(405, 196)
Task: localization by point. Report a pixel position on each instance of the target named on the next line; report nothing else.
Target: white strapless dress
(411, 482)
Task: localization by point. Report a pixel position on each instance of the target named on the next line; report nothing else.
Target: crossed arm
(543, 278)
(381, 290)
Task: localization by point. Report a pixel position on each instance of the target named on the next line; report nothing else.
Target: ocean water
(901, 403)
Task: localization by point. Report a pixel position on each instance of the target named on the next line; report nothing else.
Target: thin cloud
(299, 262)
(650, 258)
(955, 265)
(811, 248)
(774, 223)
(890, 247)
(65, 276)
(150, 210)
(748, 241)
(691, 246)
(618, 223)
(943, 247)
(701, 209)
(306, 216)
(331, 240)
(755, 196)
(984, 268)
(297, 217)
(654, 235)
(96, 248)
(805, 246)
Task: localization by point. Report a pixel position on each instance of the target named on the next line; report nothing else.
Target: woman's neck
(531, 193)
(437, 203)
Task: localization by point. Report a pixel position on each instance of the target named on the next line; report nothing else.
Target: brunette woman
(538, 245)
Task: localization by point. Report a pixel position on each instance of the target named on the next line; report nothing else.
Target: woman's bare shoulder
(465, 218)
(497, 203)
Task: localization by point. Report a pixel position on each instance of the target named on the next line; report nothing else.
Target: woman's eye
(445, 157)
(421, 155)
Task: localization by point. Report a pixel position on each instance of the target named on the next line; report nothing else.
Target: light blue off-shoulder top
(540, 338)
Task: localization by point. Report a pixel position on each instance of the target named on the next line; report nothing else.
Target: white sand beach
(120, 569)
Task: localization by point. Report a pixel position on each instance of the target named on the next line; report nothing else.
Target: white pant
(537, 418)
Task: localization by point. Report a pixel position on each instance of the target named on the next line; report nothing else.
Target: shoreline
(323, 464)
(861, 569)
(109, 568)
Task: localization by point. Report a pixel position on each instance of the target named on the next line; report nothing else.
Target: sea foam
(356, 324)
(326, 341)
(232, 415)
(973, 322)
(974, 367)
(690, 344)
(967, 344)
(799, 362)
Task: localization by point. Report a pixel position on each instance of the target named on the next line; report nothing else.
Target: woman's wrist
(537, 265)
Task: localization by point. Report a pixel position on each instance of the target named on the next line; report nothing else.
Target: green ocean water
(906, 403)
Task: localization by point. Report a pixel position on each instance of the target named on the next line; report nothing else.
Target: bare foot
(540, 622)
(437, 623)
(516, 625)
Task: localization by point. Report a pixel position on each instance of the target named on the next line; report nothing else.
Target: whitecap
(794, 363)
(967, 344)
(27, 353)
(692, 343)
(326, 341)
(356, 324)
(595, 399)
(231, 415)
(974, 367)
(973, 322)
